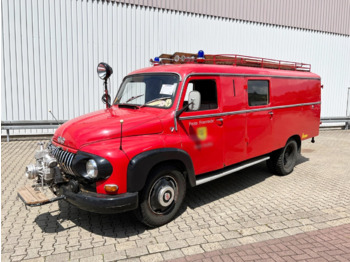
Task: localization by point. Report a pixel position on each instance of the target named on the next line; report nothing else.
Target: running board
(221, 173)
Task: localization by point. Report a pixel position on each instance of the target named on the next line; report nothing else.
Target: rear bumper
(100, 203)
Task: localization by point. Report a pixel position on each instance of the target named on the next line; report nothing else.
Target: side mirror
(104, 71)
(194, 100)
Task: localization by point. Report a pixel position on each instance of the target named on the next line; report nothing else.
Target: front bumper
(100, 203)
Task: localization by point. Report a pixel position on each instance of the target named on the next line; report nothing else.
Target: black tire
(162, 196)
(282, 162)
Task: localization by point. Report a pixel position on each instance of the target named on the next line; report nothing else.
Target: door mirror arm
(178, 113)
(195, 98)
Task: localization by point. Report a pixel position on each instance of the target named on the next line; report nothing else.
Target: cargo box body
(245, 131)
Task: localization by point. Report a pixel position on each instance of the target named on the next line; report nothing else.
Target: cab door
(259, 117)
(234, 106)
(201, 131)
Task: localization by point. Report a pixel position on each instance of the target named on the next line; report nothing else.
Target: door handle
(271, 114)
(219, 121)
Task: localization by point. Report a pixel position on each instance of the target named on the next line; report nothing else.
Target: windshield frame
(148, 74)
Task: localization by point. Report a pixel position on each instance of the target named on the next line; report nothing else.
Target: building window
(258, 92)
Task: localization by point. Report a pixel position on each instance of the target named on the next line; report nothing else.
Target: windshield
(155, 90)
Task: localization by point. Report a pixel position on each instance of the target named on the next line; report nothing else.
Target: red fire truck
(185, 121)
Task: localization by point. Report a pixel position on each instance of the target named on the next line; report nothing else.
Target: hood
(105, 124)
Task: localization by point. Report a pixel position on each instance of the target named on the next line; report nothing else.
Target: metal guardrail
(51, 124)
(27, 124)
(337, 119)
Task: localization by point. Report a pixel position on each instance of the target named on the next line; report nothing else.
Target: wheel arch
(297, 139)
(141, 166)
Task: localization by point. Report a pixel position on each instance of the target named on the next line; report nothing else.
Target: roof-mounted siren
(156, 61)
(200, 56)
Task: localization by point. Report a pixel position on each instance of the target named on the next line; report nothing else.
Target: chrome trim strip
(63, 164)
(66, 155)
(229, 74)
(64, 158)
(70, 161)
(225, 173)
(59, 157)
(247, 111)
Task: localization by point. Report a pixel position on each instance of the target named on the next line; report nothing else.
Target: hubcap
(166, 196)
(163, 195)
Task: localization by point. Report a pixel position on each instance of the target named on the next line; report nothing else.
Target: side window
(207, 89)
(258, 92)
(188, 90)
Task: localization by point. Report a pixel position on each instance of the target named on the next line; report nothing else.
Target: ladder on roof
(231, 59)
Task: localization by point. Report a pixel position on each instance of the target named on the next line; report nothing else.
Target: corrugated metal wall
(321, 15)
(51, 50)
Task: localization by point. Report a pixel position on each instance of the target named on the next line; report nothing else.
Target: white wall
(50, 51)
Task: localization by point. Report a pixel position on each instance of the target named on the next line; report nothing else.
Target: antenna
(53, 116)
(121, 133)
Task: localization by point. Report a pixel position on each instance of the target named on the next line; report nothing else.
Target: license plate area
(32, 196)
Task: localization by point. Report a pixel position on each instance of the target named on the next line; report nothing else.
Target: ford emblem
(61, 139)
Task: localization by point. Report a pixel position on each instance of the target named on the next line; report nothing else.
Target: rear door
(259, 117)
(201, 131)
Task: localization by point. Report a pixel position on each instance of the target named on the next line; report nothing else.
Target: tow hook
(73, 186)
(313, 140)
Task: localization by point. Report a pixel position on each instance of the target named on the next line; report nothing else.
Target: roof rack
(229, 59)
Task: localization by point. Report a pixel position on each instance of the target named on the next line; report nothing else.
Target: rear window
(258, 92)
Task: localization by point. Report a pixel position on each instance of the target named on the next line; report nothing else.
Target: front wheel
(282, 162)
(162, 196)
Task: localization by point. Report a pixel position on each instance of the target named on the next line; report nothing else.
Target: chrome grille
(64, 158)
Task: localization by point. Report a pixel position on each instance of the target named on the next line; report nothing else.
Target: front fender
(140, 166)
(109, 150)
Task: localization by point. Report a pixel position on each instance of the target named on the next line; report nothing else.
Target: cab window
(258, 92)
(152, 90)
(207, 89)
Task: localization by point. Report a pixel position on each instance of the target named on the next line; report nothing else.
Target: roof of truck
(193, 68)
(233, 64)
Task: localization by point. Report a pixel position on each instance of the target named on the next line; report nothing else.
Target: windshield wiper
(130, 105)
(132, 98)
(153, 100)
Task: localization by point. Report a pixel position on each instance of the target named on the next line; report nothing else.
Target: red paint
(223, 140)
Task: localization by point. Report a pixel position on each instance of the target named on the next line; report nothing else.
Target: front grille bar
(64, 158)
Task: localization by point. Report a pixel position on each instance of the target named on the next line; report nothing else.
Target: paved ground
(244, 208)
(330, 244)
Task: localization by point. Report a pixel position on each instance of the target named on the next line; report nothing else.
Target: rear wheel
(162, 196)
(282, 162)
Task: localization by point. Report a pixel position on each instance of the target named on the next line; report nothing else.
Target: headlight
(91, 169)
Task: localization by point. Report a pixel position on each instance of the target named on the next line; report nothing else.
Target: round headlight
(91, 169)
